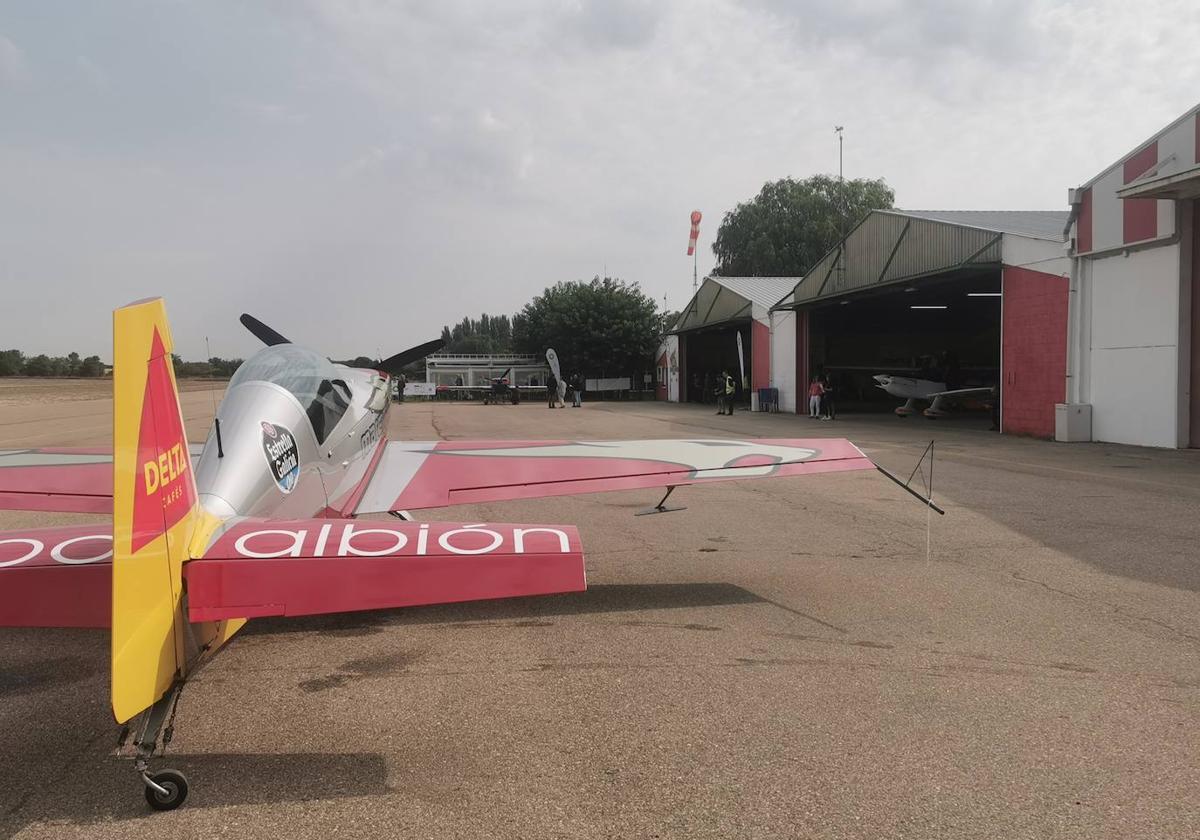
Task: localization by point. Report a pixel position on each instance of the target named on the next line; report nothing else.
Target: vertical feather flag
(742, 363)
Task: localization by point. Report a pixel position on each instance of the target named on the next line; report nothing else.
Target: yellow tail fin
(155, 511)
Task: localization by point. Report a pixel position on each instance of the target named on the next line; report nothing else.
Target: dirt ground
(813, 657)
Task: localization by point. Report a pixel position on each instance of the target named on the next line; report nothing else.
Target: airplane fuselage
(298, 434)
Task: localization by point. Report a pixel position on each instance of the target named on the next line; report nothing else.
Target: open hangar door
(942, 329)
(710, 351)
(968, 298)
(722, 309)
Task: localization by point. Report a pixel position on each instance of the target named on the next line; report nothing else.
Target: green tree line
(16, 363)
(214, 368)
(485, 334)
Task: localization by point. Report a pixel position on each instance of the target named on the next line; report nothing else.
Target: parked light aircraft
(935, 393)
(261, 520)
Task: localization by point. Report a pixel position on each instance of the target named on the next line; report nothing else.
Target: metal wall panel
(891, 248)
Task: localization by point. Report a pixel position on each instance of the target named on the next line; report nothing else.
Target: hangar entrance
(969, 298)
(943, 329)
(707, 352)
(721, 310)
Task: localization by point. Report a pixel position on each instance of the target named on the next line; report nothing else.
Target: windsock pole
(692, 237)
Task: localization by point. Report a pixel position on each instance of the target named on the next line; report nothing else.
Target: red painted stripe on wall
(801, 383)
(760, 355)
(1140, 214)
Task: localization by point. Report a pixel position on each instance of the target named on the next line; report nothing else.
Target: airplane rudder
(154, 509)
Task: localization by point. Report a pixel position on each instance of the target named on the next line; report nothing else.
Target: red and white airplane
(261, 520)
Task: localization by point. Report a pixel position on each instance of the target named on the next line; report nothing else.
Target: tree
(785, 229)
(91, 366)
(667, 320)
(224, 368)
(39, 365)
(487, 334)
(12, 362)
(602, 327)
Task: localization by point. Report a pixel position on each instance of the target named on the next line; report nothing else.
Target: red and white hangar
(1133, 352)
(1085, 322)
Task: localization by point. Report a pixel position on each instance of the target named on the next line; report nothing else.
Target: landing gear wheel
(176, 787)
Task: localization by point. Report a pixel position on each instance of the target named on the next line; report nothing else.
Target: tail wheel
(174, 790)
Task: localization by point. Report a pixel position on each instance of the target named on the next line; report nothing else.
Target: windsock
(695, 234)
(552, 360)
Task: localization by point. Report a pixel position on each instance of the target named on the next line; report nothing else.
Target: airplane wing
(62, 577)
(411, 476)
(962, 392)
(260, 567)
(60, 479)
(56, 577)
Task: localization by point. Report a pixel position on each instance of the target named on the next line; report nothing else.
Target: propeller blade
(393, 364)
(261, 331)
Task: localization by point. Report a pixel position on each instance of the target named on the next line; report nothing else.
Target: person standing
(551, 391)
(730, 388)
(828, 410)
(577, 387)
(814, 398)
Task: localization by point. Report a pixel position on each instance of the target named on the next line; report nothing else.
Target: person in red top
(815, 390)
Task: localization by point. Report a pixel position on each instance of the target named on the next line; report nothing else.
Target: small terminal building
(474, 370)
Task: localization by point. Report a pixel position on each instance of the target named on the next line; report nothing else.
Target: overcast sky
(356, 174)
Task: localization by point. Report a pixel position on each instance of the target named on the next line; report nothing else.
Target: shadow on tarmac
(602, 598)
(113, 793)
(63, 732)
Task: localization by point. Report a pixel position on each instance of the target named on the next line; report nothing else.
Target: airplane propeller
(393, 364)
(261, 331)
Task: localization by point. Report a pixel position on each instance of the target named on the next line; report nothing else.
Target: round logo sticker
(283, 460)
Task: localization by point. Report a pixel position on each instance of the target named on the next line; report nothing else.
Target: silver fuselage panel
(280, 458)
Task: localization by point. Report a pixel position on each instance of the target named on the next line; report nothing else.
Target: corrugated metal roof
(1039, 224)
(893, 247)
(764, 291)
(722, 299)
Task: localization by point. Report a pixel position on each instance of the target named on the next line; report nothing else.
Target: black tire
(173, 781)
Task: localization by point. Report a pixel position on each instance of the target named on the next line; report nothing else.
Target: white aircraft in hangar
(935, 393)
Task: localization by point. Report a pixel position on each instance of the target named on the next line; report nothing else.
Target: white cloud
(445, 157)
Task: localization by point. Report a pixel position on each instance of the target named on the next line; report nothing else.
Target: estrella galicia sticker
(283, 460)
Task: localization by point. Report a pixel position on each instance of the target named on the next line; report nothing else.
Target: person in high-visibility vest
(730, 388)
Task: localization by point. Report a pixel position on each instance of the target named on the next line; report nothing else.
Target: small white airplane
(934, 393)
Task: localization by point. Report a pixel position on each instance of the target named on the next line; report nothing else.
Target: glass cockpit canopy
(307, 376)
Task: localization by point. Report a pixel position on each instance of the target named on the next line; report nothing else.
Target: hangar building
(1134, 344)
(963, 297)
(704, 340)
